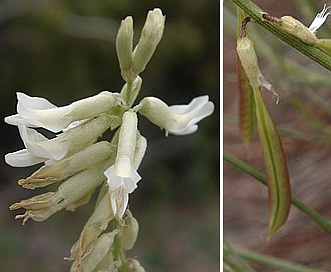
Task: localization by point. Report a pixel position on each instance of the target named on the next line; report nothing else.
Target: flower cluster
(75, 161)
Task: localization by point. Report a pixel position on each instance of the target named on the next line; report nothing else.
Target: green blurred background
(65, 51)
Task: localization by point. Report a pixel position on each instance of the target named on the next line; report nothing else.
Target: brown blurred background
(303, 120)
(65, 51)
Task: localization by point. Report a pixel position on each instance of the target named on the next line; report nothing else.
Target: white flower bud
(151, 35)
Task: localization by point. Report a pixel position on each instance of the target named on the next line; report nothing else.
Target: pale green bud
(90, 157)
(129, 231)
(40, 207)
(139, 152)
(151, 35)
(124, 42)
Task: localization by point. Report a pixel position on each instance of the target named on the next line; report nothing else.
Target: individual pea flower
(122, 176)
(151, 35)
(71, 194)
(95, 156)
(298, 29)
(177, 119)
(38, 112)
(40, 149)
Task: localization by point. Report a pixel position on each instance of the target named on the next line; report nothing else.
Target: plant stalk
(258, 176)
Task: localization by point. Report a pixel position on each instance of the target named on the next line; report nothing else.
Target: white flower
(178, 119)
(319, 19)
(122, 176)
(37, 149)
(38, 112)
(40, 149)
(187, 116)
(122, 181)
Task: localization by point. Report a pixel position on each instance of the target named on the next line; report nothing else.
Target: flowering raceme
(77, 163)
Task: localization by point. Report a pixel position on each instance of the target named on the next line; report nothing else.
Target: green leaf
(279, 188)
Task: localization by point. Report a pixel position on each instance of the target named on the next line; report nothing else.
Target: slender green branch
(229, 266)
(258, 176)
(232, 258)
(310, 51)
(268, 260)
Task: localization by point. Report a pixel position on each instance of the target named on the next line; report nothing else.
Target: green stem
(127, 95)
(258, 176)
(310, 51)
(269, 260)
(230, 266)
(118, 252)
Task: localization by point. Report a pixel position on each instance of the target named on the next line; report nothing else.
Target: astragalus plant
(76, 162)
